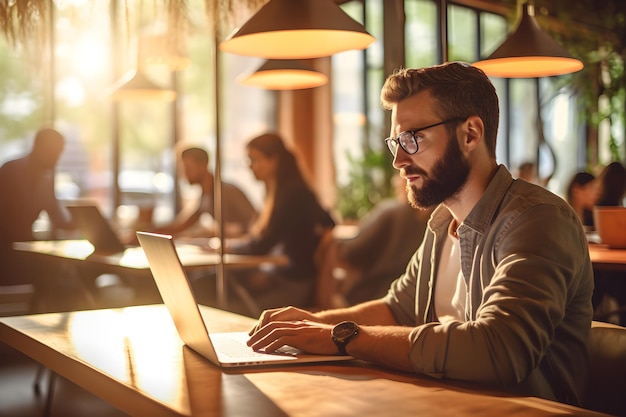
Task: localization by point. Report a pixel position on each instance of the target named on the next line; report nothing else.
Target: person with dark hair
(27, 189)
(613, 185)
(582, 194)
(610, 288)
(237, 211)
(499, 292)
(291, 222)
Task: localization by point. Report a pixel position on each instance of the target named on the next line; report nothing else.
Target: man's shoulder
(510, 199)
(534, 194)
(530, 205)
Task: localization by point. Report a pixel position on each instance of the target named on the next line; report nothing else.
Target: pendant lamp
(284, 74)
(136, 86)
(297, 29)
(529, 53)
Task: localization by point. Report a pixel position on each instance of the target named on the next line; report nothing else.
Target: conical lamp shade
(528, 53)
(284, 74)
(297, 29)
(136, 86)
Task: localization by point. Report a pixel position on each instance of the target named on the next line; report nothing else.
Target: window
(77, 102)
(471, 33)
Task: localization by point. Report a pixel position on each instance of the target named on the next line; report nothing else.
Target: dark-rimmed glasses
(407, 140)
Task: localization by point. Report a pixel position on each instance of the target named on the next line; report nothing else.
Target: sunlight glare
(129, 345)
(71, 90)
(90, 56)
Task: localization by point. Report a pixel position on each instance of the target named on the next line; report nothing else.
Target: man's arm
(375, 313)
(380, 339)
(183, 221)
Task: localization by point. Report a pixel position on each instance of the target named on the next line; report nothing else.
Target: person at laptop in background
(27, 189)
(499, 292)
(237, 211)
(292, 222)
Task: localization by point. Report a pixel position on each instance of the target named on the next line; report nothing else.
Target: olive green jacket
(529, 281)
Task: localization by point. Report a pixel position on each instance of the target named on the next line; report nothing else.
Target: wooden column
(305, 122)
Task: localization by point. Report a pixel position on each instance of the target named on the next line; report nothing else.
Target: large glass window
(78, 103)
(421, 35)
(551, 141)
(462, 34)
(357, 120)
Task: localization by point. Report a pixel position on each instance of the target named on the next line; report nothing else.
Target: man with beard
(499, 292)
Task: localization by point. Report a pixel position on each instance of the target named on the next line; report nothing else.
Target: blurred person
(291, 222)
(528, 172)
(613, 185)
(610, 288)
(582, 194)
(499, 291)
(387, 238)
(237, 211)
(26, 190)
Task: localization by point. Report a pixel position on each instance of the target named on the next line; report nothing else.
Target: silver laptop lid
(176, 292)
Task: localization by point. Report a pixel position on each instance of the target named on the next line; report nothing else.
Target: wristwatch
(343, 333)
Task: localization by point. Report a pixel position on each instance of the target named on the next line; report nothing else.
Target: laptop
(225, 349)
(96, 228)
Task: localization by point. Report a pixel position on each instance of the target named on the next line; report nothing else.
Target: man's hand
(282, 314)
(307, 336)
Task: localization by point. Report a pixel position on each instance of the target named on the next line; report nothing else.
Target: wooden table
(132, 263)
(132, 358)
(607, 259)
(133, 258)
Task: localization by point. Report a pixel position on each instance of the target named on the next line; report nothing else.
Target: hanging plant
(594, 32)
(23, 21)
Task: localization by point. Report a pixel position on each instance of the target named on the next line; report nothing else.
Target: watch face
(344, 330)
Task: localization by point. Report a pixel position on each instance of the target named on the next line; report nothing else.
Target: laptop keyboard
(236, 348)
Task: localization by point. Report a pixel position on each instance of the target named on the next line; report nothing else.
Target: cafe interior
(130, 83)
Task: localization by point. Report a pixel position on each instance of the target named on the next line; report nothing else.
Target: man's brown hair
(460, 91)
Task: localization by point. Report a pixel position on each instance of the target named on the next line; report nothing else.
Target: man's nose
(401, 159)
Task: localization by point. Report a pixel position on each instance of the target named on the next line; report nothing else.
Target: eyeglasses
(407, 140)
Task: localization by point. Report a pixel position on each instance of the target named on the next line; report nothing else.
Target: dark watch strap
(341, 347)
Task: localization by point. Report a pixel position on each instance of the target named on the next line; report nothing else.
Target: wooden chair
(607, 369)
(327, 292)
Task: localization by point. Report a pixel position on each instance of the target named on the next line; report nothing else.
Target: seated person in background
(499, 292)
(387, 238)
(27, 189)
(237, 211)
(612, 185)
(582, 193)
(610, 288)
(291, 222)
(527, 171)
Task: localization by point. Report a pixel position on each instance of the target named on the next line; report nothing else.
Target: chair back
(325, 259)
(607, 369)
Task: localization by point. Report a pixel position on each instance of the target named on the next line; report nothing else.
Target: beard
(446, 178)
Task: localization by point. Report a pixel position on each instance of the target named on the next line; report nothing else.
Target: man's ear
(475, 132)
